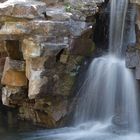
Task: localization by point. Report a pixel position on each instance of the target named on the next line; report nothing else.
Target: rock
(83, 10)
(64, 88)
(14, 73)
(2, 47)
(135, 1)
(83, 47)
(22, 9)
(58, 111)
(35, 64)
(27, 112)
(33, 47)
(50, 2)
(3, 54)
(30, 48)
(14, 78)
(64, 59)
(138, 17)
(15, 29)
(38, 117)
(37, 85)
(58, 14)
(49, 111)
(9, 94)
(2, 1)
(50, 28)
(19, 28)
(132, 57)
(137, 73)
(53, 38)
(77, 28)
(2, 63)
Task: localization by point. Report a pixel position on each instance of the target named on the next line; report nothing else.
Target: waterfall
(117, 24)
(109, 92)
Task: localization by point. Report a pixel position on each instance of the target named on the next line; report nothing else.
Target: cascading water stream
(110, 91)
(107, 102)
(117, 24)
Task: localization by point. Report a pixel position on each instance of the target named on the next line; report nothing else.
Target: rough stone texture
(3, 54)
(135, 1)
(36, 83)
(46, 41)
(11, 96)
(49, 112)
(14, 73)
(132, 57)
(84, 9)
(41, 47)
(133, 52)
(22, 9)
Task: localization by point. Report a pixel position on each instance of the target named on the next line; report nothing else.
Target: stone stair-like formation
(42, 45)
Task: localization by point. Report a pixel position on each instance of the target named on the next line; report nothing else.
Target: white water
(117, 24)
(107, 105)
(109, 93)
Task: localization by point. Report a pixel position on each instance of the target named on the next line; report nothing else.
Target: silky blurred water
(107, 107)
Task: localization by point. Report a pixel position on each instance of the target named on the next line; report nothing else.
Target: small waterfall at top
(110, 90)
(117, 24)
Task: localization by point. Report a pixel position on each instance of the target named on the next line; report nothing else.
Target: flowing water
(107, 102)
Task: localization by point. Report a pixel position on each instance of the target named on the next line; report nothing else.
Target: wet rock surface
(43, 44)
(133, 51)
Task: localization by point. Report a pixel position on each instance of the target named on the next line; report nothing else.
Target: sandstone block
(14, 73)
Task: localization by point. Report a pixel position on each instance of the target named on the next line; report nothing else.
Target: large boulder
(49, 112)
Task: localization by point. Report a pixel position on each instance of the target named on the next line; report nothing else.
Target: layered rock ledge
(42, 45)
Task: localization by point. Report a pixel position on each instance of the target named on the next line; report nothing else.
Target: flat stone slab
(58, 13)
(22, 9)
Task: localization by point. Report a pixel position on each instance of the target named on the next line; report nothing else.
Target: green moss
(68, 7)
